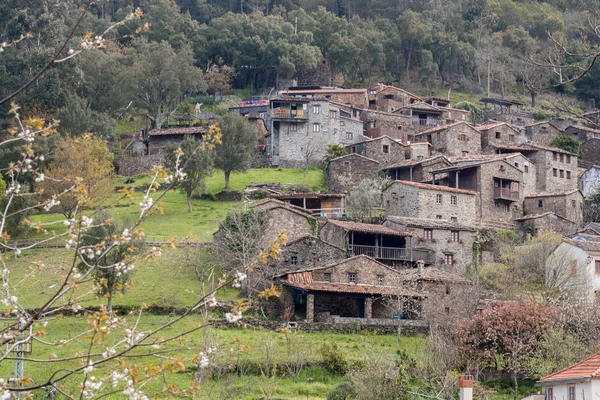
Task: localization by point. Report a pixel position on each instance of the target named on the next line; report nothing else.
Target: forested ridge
(191, 47)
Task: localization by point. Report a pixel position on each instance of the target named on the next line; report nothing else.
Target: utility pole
(489, 73)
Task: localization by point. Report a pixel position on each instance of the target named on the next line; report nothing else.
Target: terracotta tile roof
(353, 155)
(444, 127)
(413, 162)
(300, 195)
(588, 368)
(325, 91)
(429, 223)
(352, 288)
(591, 246)
(375, 87)
(368, 228)
(494, 124)
(552, 194)
(441, 188)
(186, 130)
(430, 274)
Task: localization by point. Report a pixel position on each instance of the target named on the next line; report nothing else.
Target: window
(455, 236)
(333, 114)
(511, 138)
(573, 203)
(293, 127)
(597, 265)
(447, 288)
(372, 91)
(449, 259)
(568, 159)
(496, 204)
(380, 279)
(562, 173)
(497, 135)
(571, 392)
(517, 164)
(540, 204)
(386, 149)
(548, 393)
(555, 156)
(327, 276)
(402, 200)
(294, 260)
(453, 200)
(447, 310)
(316, 127)
(465, 153)
(351, 277)
(568, 174)
(562, 157)
(554, 172)
(428, 234)
(506, 208)
(453, 219)
(438, 199)
(349, 135)
(526, 168)
(438, 217)
(462, 137)
(347, 164)
(316, 108)
(342, 123)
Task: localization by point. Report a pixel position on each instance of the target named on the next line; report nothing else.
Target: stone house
(575, 264)
(355, 97)
(316, 204)
(388, 98)
(567, 204)
(385, 244)
(581, 132)
(295, 222)
(418, 150)
(449, 243)
(353, 290)
(542, 133)
(379, 123)
(589, 181)
(497, 184)
(556, 168)
(494, 133)
(453, 140)
(422, 200)
(590, 151)
(301, 129)
(305, 252)
(383, 149)
(534, 223)
(423, 115)
(159, 140)
(418, 170)
(345, 172)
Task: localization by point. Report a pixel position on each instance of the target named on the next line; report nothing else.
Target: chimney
(421, 268)
(465, 383)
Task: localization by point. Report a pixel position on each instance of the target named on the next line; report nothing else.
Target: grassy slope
(206, 215)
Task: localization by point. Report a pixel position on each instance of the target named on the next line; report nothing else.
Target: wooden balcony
(505, 194)
(286, 113)
(392, 253)
(426, 121)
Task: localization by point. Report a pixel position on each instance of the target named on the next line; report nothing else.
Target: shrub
(334, 359)
(343, 391)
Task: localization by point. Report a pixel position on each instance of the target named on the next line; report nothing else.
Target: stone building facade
(542, 133)
(345, 172)
(418, 170)
(499, 133)
(450, 242)
(581, 133)
(566, 204)
(589, 181)
(419, 150)
(379, 123)
(383, 149)
(535, 223)
(388, 98)
(355, 97)
(306, 252)
(454, 140)
(295, 223)
(556, 168)
(301, 130)
(590, 151)
(421, 200)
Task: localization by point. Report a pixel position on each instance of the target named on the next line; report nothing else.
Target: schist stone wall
(556, 170)
(529, 170)
(542, 133)
(418, 200)
(534, 224)
(591, 150)
(344, 173)
(384, 149)
(454, 141)
(295, 224)
(500, 135)
(307, 252)
(568, 205)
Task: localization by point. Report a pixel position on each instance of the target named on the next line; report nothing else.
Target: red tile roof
(428, 186)
(494, 124)
(588, 368)
(368, 228)
(184, 130)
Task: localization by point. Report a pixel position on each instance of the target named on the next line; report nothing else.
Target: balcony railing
(287, 113)
(392, 253)
(426, 122)
(505, 194)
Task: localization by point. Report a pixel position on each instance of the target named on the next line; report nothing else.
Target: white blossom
(233, 317)
(212, 302)
(89, 368)
(204, 362)
(146, 203)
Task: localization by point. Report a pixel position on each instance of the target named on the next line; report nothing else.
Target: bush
(334, 359)
(343, 391)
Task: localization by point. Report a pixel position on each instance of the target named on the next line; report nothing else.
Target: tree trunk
(109, 304)
(227, 174)
(532, 92)
(515, 385)
(189, 202)
(408, 57)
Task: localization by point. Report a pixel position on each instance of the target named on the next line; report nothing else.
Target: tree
(508, 335)
(158, 76)
(365, 201)
(197, 165)
(239, 139)
(83, 163)
(334, 151)
(77, 118)
(566, 143)
(109, 281)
